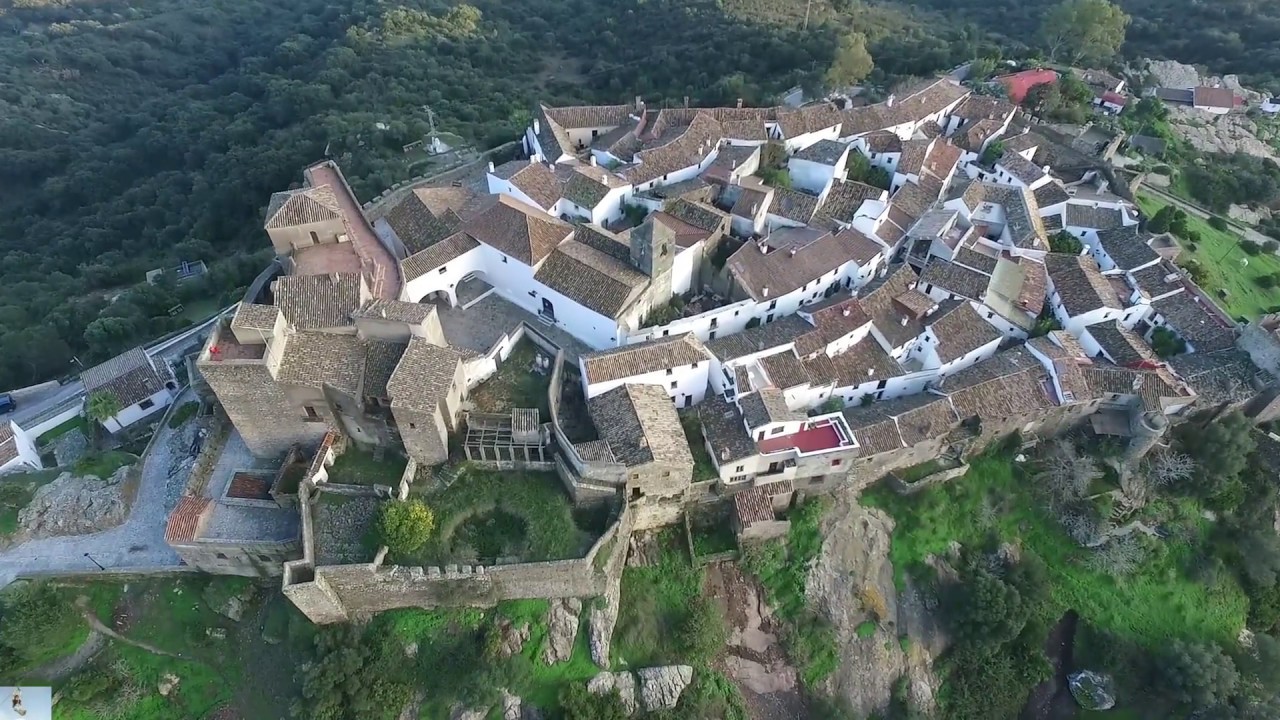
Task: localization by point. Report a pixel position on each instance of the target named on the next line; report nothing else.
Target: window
(666, 473)
(146, 404)
(413, 426)
(264, 558)
(713, 335)
(533, 293)
(738, 469)
(663, 251)
(737, 478)
(636, 494)
(715, 322)
(220, 555)
(670, 371)
(442, 269)
(990, 315)
(315, 239)
(666, 333)
(673, 384)
(775, 431)
(309, 414)
(504, 258)
(836, 462)
(815, 481)
(694, 366)
(880, 385)
(595, 133)
(635, 476)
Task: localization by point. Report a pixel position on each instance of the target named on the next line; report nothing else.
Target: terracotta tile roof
(1122, 346)
(1022, 169)
(8, 445)
(1007, 385)
(1126, 247)
(883, 141)
(1195, 323)
(913, 201)
(1097, 218)
(974, 259)
(744, 129)
(924, 417)
(862, 363)
(1050, 194)
(437, 255)
(941, 161)
(984, 107)
(641, 426)
(184, 522)
(1154, 388)
(1223, 376)
(380, 360)
(591, 278)
(764, 406)
(587, 185)
(1022, 214)
(723, 428)
(416, 226)
(422, 378)
(247, 486)
(302, 207)
(690, 148)
(795, 258)
(956, 279)
(683, 234)
(311, 302)
(786, 329)
(316, 359)
(517, 229)
(396, 310)
(793, 205)
(699, 215)
(879, 299)
(752, 506)
(960, 331)
(846, 197)
(823, 152)
(645, 357)
(912, 160)
(1219, 97)
(1080, 284)
(832, 319)
(595, 451)
(130, 377)
(445, 199)
(590, 116)
(785, 370)
(250, 316)
(752, 202)
(603, 240)
(534, 179)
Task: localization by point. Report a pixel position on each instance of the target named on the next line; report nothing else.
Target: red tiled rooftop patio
(816, 437)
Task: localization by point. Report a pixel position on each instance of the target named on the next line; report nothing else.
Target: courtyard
(518, 383)
(490, 517)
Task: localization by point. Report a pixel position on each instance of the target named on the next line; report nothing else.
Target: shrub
(405, 526)
(578, 704)
(1250, 248)
(36, 621)
(1166, 342)
(1217, 222)
(866, 629)
(1271, 245)
(1065, 242)
(1197, 674)
(183, 413)
(703, 632)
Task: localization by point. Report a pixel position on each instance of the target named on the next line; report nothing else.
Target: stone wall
(259, 408)
(903, 487)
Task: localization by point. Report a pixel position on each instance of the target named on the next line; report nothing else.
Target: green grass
(783, 569)
(358, 467)
(198, 310)
(514, 385)
(103, 464)
(79, 422)
(543, 684)
(1219, 253)
(183, 413)
(655, 602)
(1154, 604)
(529, 510)
(703, 468)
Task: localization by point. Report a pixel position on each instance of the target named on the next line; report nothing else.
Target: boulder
(462, 713)
(72, 505)
(624, 683)
(168, 684)
(661, 687)
(562, 630)
(411, 650)
(1092, 691)
(604, 616)
(511, 638)
(230, 606)
(515, 708)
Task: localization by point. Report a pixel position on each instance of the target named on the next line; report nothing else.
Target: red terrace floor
(822, 437)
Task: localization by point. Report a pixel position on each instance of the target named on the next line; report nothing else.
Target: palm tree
(102, 406)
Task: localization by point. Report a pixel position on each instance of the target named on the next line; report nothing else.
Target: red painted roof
(1020, 83)
(1114, 98)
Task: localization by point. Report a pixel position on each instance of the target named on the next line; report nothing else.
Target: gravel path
(64, 667)
(137, 543)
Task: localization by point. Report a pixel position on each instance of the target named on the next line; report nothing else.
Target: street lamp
(95, 562)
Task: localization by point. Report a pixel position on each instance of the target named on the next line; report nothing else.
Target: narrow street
(136, 543)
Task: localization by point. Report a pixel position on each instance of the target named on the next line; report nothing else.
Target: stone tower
(653, 252)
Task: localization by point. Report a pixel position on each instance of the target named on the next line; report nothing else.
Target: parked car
(6, 403)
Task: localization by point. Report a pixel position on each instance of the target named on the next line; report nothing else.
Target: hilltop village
(704, 336)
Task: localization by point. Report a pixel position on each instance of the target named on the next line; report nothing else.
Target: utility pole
(95, 562)
(807, 7)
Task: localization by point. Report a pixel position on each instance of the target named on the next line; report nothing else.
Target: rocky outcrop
(1093, 691)
(511, 637)
(562, 630)
(72, 505)
(661, 687)
(229, 606)
(852, 585)
(462, 713)
(603, 617)
(624, 683)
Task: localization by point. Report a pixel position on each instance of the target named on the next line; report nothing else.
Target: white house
(1081, 296)
(814, 168)
(17, 450)
(139, 385)
(679, 364)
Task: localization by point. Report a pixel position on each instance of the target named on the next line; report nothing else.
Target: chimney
(593, 160)
(871, 372)
(792, 251)
(533, 161)
(644, 441)
(765, 292)
(686, 101)
(760, 345)
(724, 454)
(739, 103)
(845, 312)
(889, 101)
(490, 166)
(537, 127)
(904, 321)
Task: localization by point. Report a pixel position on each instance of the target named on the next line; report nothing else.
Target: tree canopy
(852, 63)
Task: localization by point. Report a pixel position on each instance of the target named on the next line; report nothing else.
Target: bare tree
(1171, 467)
(1118, 557)
(1066, 474)
(1081, 526)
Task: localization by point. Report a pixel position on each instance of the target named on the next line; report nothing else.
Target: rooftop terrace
(819, 435)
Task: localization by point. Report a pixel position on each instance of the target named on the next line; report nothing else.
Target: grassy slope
(1219, 253)
(1153, 605)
